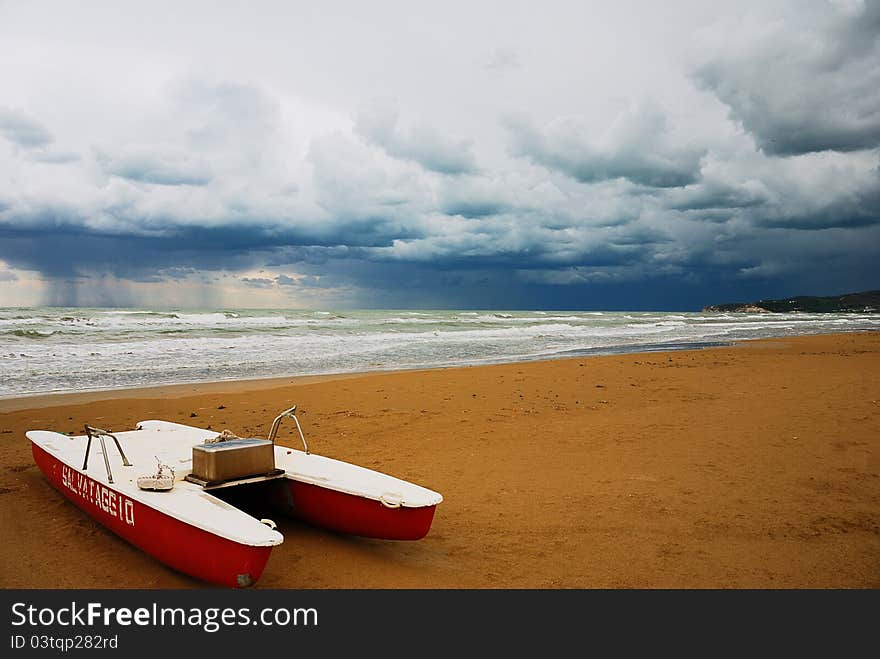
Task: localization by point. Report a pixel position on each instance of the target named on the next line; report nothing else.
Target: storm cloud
(425, 145)
(149, 165)
(805, 78)
(424, 161)
(637, 146)
(20, 129)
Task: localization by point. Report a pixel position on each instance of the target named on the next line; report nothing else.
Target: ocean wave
(30, 334)
(135, 313)
(76, 349)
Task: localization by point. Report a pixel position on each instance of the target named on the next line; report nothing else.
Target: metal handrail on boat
(290, 414)
(100, 434)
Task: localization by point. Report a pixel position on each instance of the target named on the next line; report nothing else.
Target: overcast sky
(579, 155)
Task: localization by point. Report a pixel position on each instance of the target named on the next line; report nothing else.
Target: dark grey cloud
(300, 281)
(803, 81)
(475, 208)
(36, 141)
(684, 268)
(421, 143)
(53, 156)
(286, 281)
(258, 282)
(555, 269)
(69, 250)
(716, 195)
(20, 129)
(860, 209)
(153, 166)
(475, 198)
(316, 256)
(810, 192)
(602, 281)
(641, 235)
(638, 148)
(494, 193)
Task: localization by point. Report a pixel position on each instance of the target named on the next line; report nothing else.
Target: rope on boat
(159, 480)
(225, 436)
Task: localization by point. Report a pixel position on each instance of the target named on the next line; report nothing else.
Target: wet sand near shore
(750, 466)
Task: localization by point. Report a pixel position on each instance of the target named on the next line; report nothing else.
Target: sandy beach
(750, 466)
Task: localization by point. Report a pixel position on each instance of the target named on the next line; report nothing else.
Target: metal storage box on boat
(238, 458)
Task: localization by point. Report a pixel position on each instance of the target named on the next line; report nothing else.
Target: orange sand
(751, 466)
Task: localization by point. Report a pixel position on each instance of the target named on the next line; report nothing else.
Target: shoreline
(127, 352)
(20, 403)
(13, 402)
(17, 402)
(755, 465)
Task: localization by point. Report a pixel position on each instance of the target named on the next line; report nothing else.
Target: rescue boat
(180, 513)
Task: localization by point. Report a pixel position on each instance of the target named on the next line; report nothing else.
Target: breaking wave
(71, 349)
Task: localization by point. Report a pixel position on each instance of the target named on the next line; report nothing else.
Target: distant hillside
(866, 302)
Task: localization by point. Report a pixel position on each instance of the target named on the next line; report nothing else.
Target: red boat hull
(351, 514)
(177, 544)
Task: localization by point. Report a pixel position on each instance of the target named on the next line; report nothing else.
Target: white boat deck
(321, 471)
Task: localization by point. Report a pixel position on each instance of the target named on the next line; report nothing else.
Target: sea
(45, 350)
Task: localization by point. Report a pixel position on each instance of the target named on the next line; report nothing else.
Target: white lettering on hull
(111, 502)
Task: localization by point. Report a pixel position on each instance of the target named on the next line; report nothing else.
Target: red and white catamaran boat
(179, 514)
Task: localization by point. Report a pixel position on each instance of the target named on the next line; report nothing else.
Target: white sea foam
(78, 349)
